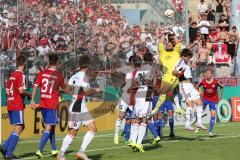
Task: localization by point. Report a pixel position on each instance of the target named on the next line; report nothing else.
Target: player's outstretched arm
(92, 91)
(33, 104)
(108, 71)
(68, 89)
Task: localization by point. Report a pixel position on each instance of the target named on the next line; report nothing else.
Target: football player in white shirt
(78, 112)
(190, 95)
(124, 102)
(142, 82)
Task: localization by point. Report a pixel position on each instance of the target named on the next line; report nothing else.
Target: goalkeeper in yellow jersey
(169, 54)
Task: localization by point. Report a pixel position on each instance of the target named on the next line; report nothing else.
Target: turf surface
(185, 146)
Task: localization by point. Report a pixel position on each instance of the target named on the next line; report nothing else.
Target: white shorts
(142, 107)
(78, 114)
(188, 92)
(122, 106)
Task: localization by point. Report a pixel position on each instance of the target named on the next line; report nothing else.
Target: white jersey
(187, 90)
(79, 81)
(182, 65)
(143, 105)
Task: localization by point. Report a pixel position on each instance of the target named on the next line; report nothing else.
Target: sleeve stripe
(179, 63)
(35, 85)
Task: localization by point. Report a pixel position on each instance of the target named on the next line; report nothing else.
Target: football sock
(158, 126)
(44, 140)
(188, 116)
(176, 101)
(127, 129)
(134, 132)
(171, 124)
(52, 140)
(199, 114)
(141, 132)
(212, 122)
(86, 140)
(6, 144)
(152, 129)
(162, 126)
(67, 141)
(117, 126)
(12, 144)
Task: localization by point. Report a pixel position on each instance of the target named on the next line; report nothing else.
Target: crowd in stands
(37, 28)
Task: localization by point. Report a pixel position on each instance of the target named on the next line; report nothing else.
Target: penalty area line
(119, 147)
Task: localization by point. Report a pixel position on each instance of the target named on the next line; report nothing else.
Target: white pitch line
(175, 141)
(108, 135)
(57, 139)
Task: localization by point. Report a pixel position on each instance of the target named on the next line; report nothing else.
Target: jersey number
(11, 89)
(47, 85)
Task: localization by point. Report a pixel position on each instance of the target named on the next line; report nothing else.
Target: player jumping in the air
(49, 81)
(78, 112)
(16, 91)
(142, 83)
(168, 57)
(190, 95)
(210, 96)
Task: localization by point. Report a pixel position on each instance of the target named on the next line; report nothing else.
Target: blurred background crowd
(97, 28)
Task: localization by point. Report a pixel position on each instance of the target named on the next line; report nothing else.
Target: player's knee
(93, 129)
(121, 116)
(170, 113)
(18, 128)
(73, 132)
(128, 121)
(48, 127)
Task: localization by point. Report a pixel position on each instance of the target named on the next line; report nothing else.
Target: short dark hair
(130, 60)
(53, 59)
(186, 53)
(84, 61)
(148, 57)
(137, 61)
(21, 60)
(208, 69)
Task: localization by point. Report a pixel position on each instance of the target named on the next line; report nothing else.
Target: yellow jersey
(169, 60)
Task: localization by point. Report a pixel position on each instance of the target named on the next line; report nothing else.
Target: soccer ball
(169, 13)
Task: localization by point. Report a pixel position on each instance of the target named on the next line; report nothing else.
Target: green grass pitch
(185, 146)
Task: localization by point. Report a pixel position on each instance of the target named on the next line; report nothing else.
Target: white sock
(188, 116)
(199, 114)
(66, 143)
(86, 140)
(176, 101)
(134, 132)
(117, 126)
(141, 132)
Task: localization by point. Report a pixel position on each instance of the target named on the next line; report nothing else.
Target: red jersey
(49, 82)
(15, 100)
(210, 90)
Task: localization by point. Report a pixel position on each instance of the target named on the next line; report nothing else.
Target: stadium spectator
(202, 8)
(204, 25)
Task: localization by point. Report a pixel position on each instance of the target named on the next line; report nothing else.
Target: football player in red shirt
(16, 90)
(210, 96)
(49, 81)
